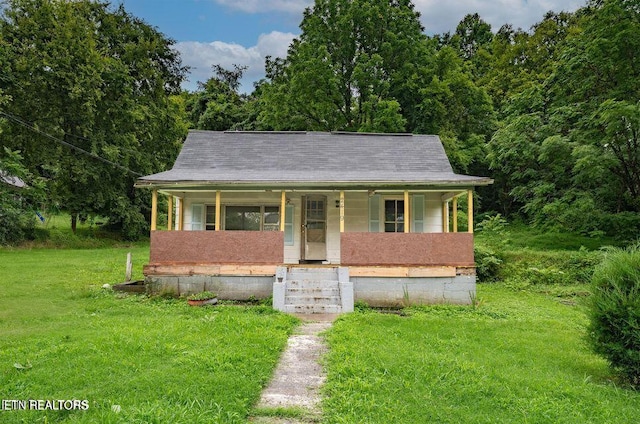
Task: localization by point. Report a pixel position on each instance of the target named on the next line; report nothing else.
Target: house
(317, 220)
(11, 180)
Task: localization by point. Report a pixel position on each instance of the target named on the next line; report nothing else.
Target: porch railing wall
(399, 249)
(217, 247)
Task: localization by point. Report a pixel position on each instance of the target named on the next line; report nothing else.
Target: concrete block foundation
(227, 287)
(398, 292)
(374, 290)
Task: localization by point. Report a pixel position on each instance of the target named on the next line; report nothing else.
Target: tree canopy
(82, 74)
(90, 97)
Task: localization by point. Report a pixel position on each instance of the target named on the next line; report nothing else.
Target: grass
(135, 359)
(522, 237)
(56, 233)
(519, 357)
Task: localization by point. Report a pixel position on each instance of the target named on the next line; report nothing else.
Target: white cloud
(439, 17)
(201, 56)
(263, 6)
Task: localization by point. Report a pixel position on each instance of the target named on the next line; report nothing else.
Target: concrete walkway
(299, 375)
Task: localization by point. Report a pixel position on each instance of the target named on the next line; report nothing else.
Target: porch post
(170, 212)
(154, 209)
(283, 206)
(342, 211)
(470, 211)
(180, 212)
(455, 214)
(445, 217)
(407, 220)
(218, 210)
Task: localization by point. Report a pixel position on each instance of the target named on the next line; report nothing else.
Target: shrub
(488, 263)
(615, 312)
(496, 224)
(547, 275)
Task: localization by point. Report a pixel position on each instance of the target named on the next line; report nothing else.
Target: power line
(31, 127)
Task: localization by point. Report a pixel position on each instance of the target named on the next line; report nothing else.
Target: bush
(615, 312)
(488, 263)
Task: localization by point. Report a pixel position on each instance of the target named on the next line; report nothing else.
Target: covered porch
(270, 227)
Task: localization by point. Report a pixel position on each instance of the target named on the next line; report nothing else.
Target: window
(252, 218)
(394, 216)
(271, 220)
(210, 218)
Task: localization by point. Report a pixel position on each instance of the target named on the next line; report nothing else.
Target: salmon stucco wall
(217, 247)
(413, 249)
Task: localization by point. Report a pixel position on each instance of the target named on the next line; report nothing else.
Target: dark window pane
(245, 218)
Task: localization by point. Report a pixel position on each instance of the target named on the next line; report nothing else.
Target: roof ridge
(371, 133)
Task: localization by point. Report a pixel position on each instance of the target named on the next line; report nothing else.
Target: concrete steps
(312, 291)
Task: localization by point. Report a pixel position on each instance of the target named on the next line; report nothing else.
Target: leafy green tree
(472, 34)
(354, 64)
(518, 58)
(217, 105)
(575, 162)
(619, 124)
(82, 74)
(455, 107)
(21, 194)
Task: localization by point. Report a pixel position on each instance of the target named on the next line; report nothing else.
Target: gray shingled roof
(310, 158)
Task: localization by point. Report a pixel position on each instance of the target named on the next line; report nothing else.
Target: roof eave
(287, 185)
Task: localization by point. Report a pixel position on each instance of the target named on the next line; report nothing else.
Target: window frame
(205, 223)
(262, 207)
(396, 222)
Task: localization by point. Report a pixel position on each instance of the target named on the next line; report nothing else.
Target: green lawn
(518, 358)
(134, 359)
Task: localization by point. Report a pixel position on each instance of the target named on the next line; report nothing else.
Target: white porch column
(342, 211)
(283, 206)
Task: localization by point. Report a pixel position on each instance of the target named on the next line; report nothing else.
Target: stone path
(299, 375)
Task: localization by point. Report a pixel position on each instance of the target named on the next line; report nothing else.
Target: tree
(353, 65)
(519, 59)
(217, 105)
(575, 85)
(619, 124)
(472, 34)
(100, 80)
(21, 193)
(455, 108)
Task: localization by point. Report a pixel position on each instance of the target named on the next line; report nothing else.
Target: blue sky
(244, 32)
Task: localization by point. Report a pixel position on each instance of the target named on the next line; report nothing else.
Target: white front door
(314, 228)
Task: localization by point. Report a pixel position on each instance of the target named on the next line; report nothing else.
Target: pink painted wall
(400, 249)
(217, 247)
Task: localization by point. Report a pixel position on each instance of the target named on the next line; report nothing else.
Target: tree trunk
(74, 222)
